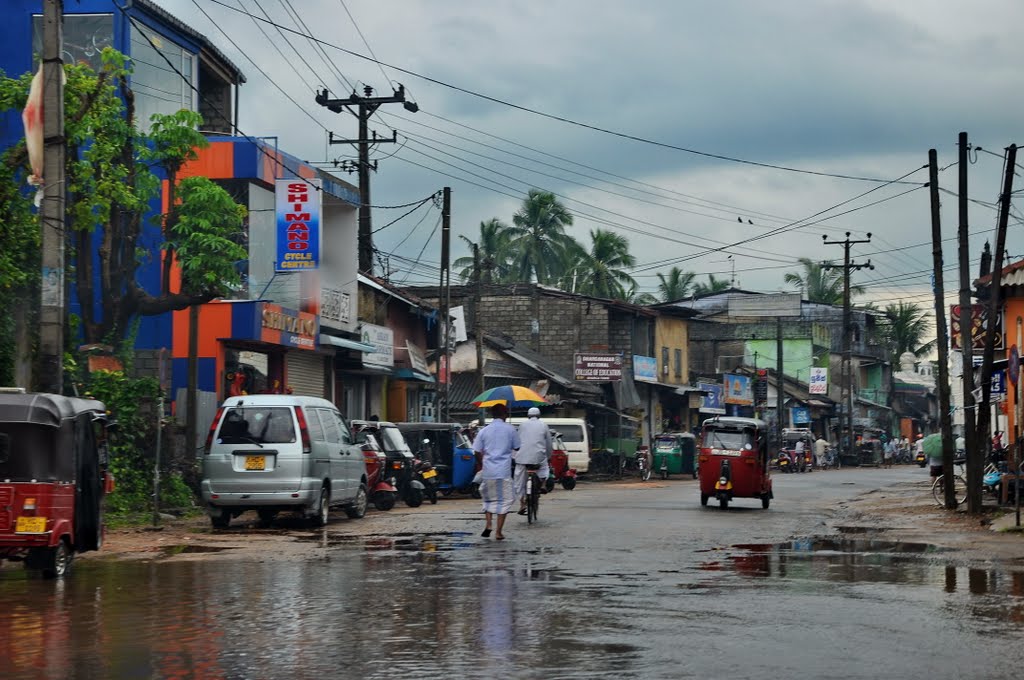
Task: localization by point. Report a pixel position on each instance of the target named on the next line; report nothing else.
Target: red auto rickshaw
(53, 477)
(734, 461)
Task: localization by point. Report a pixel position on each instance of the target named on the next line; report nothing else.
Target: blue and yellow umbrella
(510, 395)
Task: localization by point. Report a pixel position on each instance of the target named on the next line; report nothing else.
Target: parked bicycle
(959, 485)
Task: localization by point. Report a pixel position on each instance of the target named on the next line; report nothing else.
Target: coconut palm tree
(537, 242)
(602, 274)
(820, 283)
(713, 285)
(494, 258)
(676, 285)
(908, 326)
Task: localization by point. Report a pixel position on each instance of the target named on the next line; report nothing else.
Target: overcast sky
(852, 87)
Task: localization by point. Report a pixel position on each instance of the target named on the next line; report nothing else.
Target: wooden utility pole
(966, 340)
(478, 331)
(995, 301)
(780, 381)
(847, 364)
(941, 334)
(445, 297)
(364, 107)
(50, 377)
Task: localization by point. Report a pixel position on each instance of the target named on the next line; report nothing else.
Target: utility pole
(444, 292)
(478, 332)
(51, 317)
(779, 383)
(995, 300)
(941, 334)
(847, 363)
(362, 107)
(966, 341)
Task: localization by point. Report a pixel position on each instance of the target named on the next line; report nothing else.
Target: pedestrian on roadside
(534, 451)
(820, 448)
(889, 452)
(496, 443)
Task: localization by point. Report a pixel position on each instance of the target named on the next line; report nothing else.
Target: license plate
(429, 473)
(255, 462)
(30, 525)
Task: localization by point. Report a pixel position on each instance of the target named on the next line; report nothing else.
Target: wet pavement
(616, 580)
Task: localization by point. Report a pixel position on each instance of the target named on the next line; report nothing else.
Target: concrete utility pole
(365, 107)
(445, 296)
(478, 331)
(966, 341)
(50, 377)
(780, 381)
(995, 301)
(847, 364)
(941, 335)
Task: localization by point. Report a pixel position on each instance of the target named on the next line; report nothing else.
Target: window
(257, 424)
(85, 36)
(664, 360)
(159, 87)
(316, 431)
(346, 436)
(330, 423)
(679, 363)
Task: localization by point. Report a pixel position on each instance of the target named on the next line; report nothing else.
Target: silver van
(274, 453)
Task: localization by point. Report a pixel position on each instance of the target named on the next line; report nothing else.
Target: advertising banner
(817, 383)
(979, 327)
(738, 390)
(711, 402)
(597, 367)
(298, 203)
(289, 327)
(645, 369)
(801, 415)
(383, 341)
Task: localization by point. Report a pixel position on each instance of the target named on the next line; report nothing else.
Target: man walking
(496, 443)
(535, 449)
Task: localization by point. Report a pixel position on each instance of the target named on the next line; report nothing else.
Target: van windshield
(570, 433)
(258, 424)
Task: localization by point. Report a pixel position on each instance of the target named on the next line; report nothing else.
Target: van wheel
(358, 508)
(323, 508)
(221, 519)
(266, 518)
(56, 561)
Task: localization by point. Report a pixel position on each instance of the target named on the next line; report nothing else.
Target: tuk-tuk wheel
(664, 474)
(384, 501)
(723, 503)
(765, 501)
(56, 561)
(703, 499)
(569, 483)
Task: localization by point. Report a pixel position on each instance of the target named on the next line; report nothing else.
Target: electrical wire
(569, 121)
(403, 215)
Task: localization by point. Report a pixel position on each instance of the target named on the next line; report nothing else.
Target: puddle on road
(403, 541)
(171, 550)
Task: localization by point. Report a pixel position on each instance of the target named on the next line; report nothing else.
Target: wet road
(616, 581)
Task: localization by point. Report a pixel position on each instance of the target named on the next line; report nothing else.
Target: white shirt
(535, 442)
(800, 446)
(496, 442)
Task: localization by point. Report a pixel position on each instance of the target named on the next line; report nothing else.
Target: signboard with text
(817, 383)
(383, 341)
(645, 369)
(298, 203)
(711, 402)
(738, 390)
(597, 367)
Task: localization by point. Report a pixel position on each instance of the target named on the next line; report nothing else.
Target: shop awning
(345, 343)
(412, 374)
(818, 403)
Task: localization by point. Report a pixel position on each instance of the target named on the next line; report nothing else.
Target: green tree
(110, 186)
(601, 273)
(907, 326)
(494, 254)
(676, 285)
(820, 282)
(713, 285)
(538, 244)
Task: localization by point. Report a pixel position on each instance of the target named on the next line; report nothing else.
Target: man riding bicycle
(534, 452)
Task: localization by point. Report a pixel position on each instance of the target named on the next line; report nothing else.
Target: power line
(569, 121)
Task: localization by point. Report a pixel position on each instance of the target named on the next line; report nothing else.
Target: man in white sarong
(496, 443)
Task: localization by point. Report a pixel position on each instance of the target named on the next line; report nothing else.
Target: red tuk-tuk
(734, 461)
(53, 476)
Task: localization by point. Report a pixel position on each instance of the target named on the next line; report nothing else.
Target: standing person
(820, 447)
(496, 443)
(889, 452)
(535, 449)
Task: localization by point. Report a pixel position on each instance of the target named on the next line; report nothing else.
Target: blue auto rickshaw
(448, 450)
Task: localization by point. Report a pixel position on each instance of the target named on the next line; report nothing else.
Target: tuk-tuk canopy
(44, 409)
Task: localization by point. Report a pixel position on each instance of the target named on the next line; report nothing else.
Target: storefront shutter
(306, 373)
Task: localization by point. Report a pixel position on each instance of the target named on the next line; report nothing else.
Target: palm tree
(537, 240)
(676, 285)
(712, 286)
(908, 325)
(635, 297)
(602, 273)
(820, 282)
(494, 258)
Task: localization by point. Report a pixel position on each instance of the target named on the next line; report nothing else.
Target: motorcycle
(920, 459)
(643, 463)
(424, 472)
(785, 462)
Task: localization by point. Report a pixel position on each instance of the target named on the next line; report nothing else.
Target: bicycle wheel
(960, 489)
(532, 499)
(937, 491)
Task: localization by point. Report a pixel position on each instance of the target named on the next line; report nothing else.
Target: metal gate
(306, 373)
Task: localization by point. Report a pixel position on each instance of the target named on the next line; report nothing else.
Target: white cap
(534, 412)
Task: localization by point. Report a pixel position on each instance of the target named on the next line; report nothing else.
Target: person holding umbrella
(496, 444)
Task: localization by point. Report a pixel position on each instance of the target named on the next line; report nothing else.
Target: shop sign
(417, 359)
(383, 341)
(597, 367)
(711, 402)
(738, 390)
(282, 326)
(817, 383)
(979, 327)
(298, 224)
(801, 415)
(645, 369)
